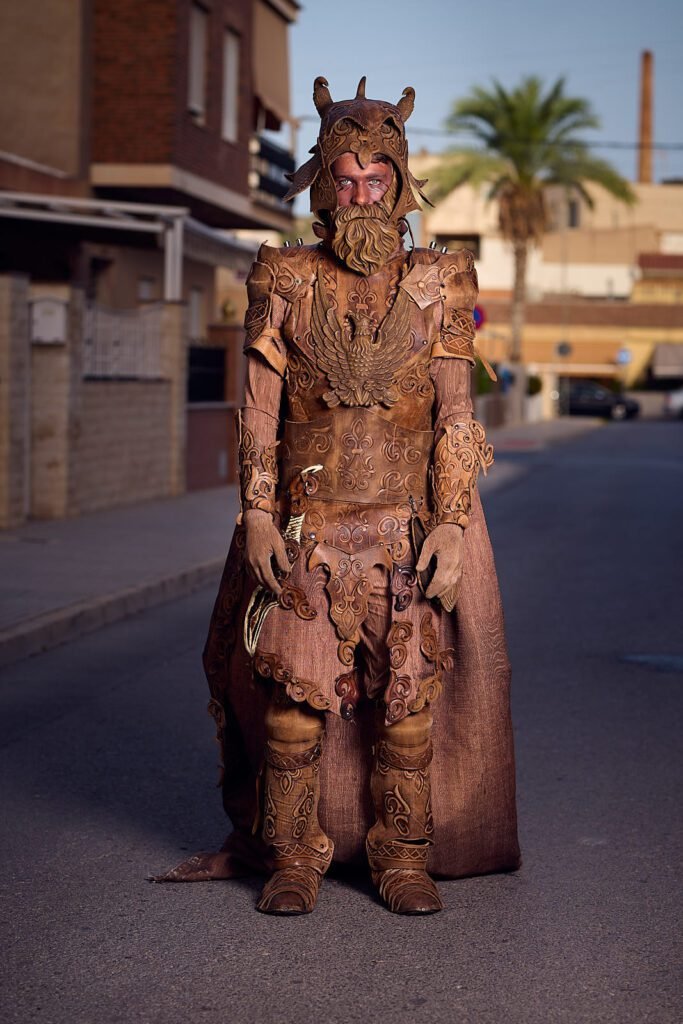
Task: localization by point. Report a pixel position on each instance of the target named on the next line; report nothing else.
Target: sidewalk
(62, 578)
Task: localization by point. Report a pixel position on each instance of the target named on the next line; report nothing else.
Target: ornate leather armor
(355, 354)
(357, 412)
(361, 360)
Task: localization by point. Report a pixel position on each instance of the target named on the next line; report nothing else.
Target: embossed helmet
(363, 127)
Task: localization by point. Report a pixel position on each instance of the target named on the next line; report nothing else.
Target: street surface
(107, 764)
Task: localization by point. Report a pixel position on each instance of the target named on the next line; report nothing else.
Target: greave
(300, 850)
(291, 791)
(400, 786)
(398, 843)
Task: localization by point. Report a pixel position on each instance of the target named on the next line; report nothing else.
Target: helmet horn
(406, 102)
(321, 95)
(360, 91)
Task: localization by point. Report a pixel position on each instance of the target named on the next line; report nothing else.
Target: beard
(363, 237)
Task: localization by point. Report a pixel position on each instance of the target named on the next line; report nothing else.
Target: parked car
(673, 404)
(588, 398)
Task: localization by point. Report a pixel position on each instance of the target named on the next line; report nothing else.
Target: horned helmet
(364, 127)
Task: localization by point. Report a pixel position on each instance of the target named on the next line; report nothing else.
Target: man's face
(360, 186)
(363, 235)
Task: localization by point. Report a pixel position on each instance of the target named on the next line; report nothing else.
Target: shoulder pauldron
(451, 279)
(293, 269)
(277, 277)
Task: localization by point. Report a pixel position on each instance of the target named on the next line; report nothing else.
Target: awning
(668, 360)
(217, 248)
(271, 60)
(179, 235)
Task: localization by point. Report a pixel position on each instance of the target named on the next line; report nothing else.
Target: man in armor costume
(373, 629)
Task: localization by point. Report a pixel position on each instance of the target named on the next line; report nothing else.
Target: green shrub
(483, 382)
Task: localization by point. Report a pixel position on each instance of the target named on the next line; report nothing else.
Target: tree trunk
(518, 300)
(517, 392)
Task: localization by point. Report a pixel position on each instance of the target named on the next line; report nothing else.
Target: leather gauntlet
(458, 456)
(258, 471)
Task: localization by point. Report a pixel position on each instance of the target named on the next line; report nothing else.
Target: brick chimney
(645, 128)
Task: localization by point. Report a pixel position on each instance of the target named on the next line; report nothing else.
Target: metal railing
(268, 164)
(122, 344)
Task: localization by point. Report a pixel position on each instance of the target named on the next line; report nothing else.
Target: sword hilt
(262, 600)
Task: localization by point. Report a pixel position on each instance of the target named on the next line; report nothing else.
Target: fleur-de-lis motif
(355, 468)
(362, 297)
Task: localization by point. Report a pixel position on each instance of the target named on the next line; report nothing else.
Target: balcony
(268, 164)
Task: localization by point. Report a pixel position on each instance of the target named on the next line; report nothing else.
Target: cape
(473, 772)
(473, 776)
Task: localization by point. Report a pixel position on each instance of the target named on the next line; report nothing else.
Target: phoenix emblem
(360, 360)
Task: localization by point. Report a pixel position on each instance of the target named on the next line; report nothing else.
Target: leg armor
(301, 851)
(399, 841)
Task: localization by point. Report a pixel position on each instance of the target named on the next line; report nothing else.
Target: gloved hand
(264, 542)
(445, 543)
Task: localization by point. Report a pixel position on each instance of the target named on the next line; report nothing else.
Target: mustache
(346, 214)
(362, 239)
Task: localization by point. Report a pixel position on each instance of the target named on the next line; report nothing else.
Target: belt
(365, 458)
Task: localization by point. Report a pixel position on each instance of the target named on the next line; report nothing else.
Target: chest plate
(360, 342)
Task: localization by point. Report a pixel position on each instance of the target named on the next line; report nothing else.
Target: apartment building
(135, 140)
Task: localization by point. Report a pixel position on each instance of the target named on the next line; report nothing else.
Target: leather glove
(264, 543)
(445, 544)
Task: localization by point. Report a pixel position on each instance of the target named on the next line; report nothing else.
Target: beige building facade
(584, 280)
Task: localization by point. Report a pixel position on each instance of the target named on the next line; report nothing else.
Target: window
(573, 213)
(206, 375)
(231, 78)
(195, 313)
(145, 289)
(196, 86)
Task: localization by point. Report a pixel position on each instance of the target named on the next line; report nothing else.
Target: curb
(54, 628)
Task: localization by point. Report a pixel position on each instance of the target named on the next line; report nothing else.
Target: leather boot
(300, 850)
(398, 843)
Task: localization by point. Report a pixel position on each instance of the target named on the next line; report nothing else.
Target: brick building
(135, 138)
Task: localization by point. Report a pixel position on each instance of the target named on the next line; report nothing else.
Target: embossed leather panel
(365, 457)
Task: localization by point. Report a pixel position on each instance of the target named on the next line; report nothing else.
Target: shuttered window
(196, 91)
(231, 79)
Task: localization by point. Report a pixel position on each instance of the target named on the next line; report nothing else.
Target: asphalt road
(107, 765)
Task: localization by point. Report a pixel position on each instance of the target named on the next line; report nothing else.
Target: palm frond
(456, 167)
(576, 168)
(530, 136)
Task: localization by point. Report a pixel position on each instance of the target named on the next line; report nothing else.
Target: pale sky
(443, 48)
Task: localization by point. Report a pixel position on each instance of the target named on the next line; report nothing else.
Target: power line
(597, 144)
(608, 144)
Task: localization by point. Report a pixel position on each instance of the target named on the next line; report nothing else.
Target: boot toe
(290, 891)
(409, 892)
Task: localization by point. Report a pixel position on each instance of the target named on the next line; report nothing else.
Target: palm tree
(528, 141)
